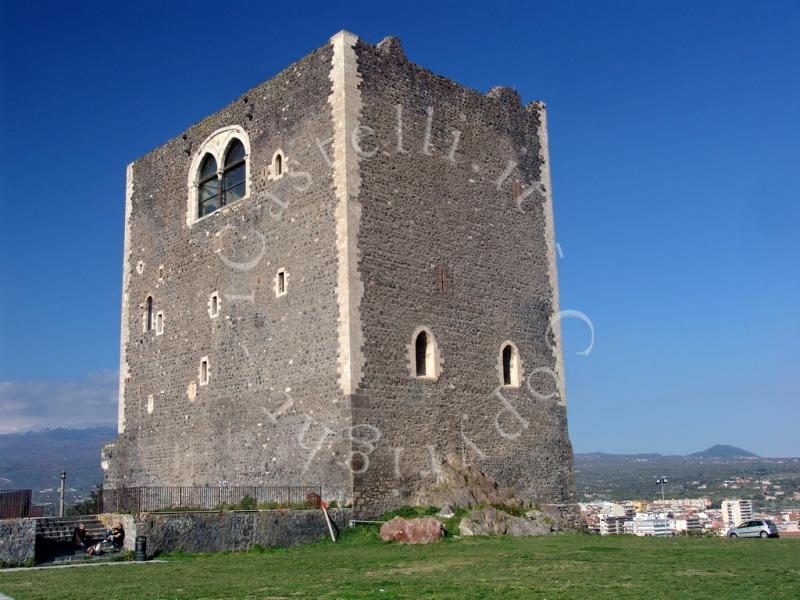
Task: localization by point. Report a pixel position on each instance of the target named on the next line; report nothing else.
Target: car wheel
(733, 535)
(764, 534)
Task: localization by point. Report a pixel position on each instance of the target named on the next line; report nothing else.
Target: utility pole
(63, 478)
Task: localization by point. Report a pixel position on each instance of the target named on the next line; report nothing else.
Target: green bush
(90, 506)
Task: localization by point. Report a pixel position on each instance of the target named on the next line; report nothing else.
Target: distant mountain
(723, 451)
(33, 460)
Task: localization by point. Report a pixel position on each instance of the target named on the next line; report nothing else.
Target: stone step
(61, 529)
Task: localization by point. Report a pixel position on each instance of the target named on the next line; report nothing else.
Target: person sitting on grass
(80, 537)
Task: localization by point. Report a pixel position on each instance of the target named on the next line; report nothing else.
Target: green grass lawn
(361, 566)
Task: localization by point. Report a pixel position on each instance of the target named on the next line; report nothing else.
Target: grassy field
(361, 566)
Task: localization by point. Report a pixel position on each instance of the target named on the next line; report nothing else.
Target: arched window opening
(148, 314)
(234, 173)
(423, 360)
(510, 366)
(421, 347)
(208, 187)
(507, 355)
(278, 165)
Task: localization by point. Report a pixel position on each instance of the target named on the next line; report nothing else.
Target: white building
(685, 523)
(611, 524)
(649, 524)
(680, 504)
(736, 511)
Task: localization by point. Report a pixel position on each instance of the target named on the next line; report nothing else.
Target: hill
(33, 460)
(769, 482)
(724, 451)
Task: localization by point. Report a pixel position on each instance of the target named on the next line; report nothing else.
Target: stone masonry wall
(235, 531)
(411, 201)
(17, 541)
(438, 196)
(272, 395)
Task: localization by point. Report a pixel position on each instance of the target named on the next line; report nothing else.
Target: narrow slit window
(159, 323)
(507, 352)
(148, 314)
(278, 165)
(213, 305)
(204, 371)
(281, 282)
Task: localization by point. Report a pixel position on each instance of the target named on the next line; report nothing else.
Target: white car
(756, 528)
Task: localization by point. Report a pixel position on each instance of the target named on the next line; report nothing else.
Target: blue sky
(675, 145)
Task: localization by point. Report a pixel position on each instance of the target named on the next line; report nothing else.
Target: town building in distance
(680, 516)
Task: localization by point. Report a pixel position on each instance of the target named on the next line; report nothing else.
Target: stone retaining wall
(234, 530)
(128, 524)
(17, 541)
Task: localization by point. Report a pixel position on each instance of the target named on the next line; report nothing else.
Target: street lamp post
(63, 477)
(661, 481)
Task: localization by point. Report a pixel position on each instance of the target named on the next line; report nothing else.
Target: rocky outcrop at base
(412, 531)
(492, 521)
(463, 485)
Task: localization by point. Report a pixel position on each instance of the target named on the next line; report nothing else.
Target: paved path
(89, 564)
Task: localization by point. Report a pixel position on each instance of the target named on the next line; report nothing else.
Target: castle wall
(410, 201)
(438, 197)
(272, 399)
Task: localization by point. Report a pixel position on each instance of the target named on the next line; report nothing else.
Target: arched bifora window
(220, 172)
(425, 363)
(213, 196)
(509, 364)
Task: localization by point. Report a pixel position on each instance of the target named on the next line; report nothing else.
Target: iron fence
(15, 504)
(162, 498)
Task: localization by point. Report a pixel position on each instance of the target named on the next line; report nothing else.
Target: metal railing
(164, 498)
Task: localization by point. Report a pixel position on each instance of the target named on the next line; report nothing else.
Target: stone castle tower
(344, 278)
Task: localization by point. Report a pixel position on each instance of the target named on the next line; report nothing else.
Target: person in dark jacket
(80, 537)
